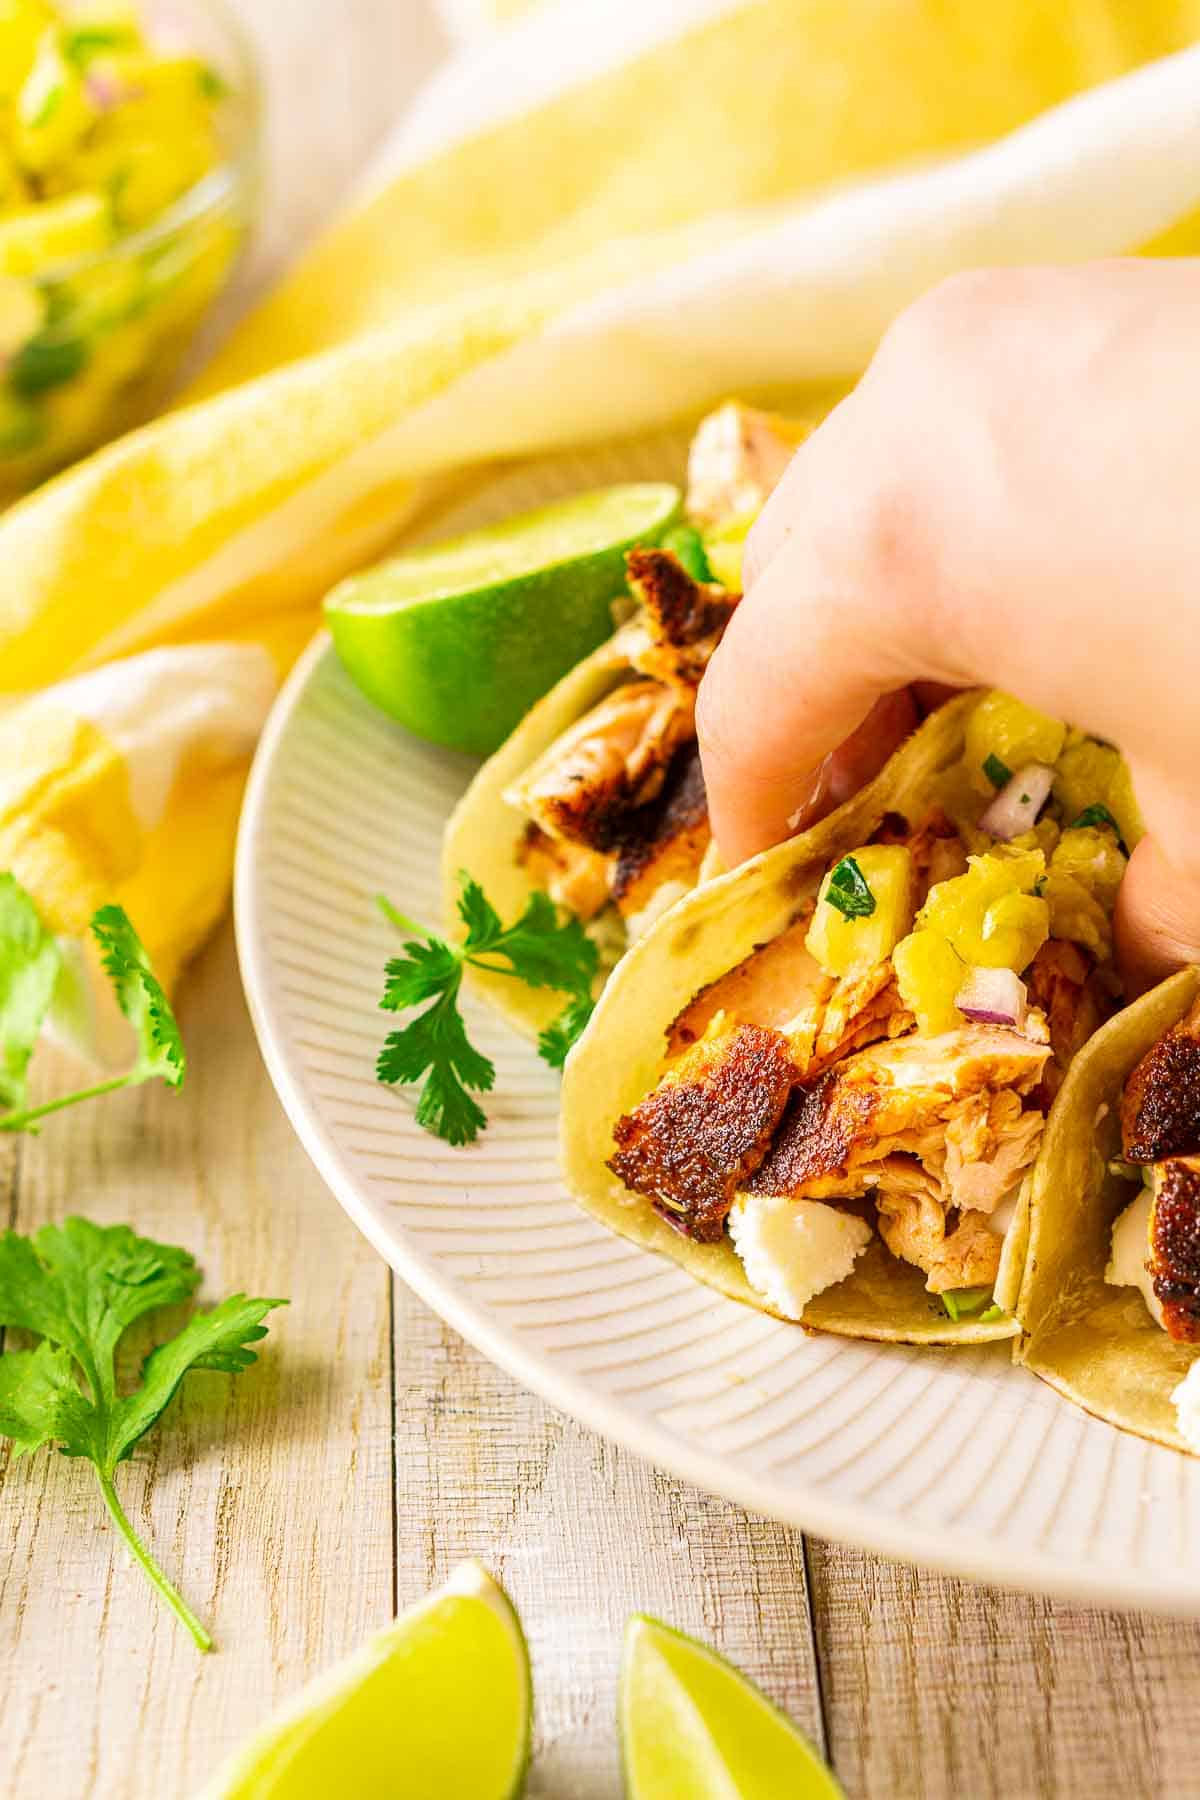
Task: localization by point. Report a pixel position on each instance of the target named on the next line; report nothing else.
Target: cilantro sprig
(30, 964)
(79, 1287)
(538, 948)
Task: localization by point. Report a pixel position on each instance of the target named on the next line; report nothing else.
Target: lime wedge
(457, 641)
(690, 1724)
(438, 1704)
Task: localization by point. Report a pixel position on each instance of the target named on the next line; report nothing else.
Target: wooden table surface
(370, 1448)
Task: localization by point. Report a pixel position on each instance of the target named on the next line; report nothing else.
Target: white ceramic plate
(949, 1458)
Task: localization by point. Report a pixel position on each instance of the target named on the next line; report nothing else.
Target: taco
(597, 798)
(821, 1083)
(1110, 1300)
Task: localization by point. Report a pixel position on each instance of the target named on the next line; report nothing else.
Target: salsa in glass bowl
(128, 151)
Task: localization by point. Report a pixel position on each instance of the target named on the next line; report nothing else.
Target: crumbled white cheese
(1130, 1246)
(1186, 1400)
(794, 1249)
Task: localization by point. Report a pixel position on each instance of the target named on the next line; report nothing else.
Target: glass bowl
(92, 341)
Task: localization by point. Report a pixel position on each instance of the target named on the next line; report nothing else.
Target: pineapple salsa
(1045, 859)
(100, 133)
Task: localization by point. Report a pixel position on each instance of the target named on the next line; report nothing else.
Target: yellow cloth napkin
(601, 216)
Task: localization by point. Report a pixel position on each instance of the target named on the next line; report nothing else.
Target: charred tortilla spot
(1160, 1108)
(1175, 1246)
(692, 1143)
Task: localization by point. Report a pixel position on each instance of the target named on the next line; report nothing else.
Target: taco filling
(616, 819)
(880, 1071)
(1156, 1238)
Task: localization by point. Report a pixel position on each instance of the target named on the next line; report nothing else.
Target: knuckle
(961, 312)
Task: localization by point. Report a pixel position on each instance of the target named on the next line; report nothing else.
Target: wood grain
(268, 1497)
(371, 1448)
(582, 1535)
(935, 1689)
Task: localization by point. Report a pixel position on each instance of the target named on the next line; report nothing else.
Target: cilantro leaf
(997, 772)
(538, 948)
(30, 962)
(559, 1037)
(140, 997)
(79, 1287)
(29, 965)
(478, 915)
(435, 1045)
(1098, 814)
(849, 892)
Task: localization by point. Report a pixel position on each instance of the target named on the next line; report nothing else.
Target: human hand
(1010, 498)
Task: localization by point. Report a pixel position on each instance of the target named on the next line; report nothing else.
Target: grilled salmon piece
(737, 459)
(681, 622)
(665, 841)
(915, 1226)
(902, 1096)
(1061, 983)
(607, 764)
(1174, 1259)
(693, 1142)
(771, 986)
(933, 1129)
(1160, 1107)
(572, 875)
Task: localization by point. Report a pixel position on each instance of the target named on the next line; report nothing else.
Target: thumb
(1157, 922)
(806, 696)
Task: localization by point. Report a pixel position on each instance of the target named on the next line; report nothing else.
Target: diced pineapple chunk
(1090, 774)
(1013, 734)
(1014, 929)
(724, 546)
(871, 909)
(1043, 836)
(989, 915)
(22, 23)
(1081, 888)
(53, 109)
(929, 974)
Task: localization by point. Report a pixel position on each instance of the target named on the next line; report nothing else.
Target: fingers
(860, 758)
(832, 624)
(802, 665)
(1157, 924)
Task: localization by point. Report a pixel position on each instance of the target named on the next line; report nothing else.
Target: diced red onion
(107, 89)
(993, 997)
(1017, 805)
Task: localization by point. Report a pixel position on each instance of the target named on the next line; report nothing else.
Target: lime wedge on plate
(439, 1704)
(457, 641)
(690, 1724)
